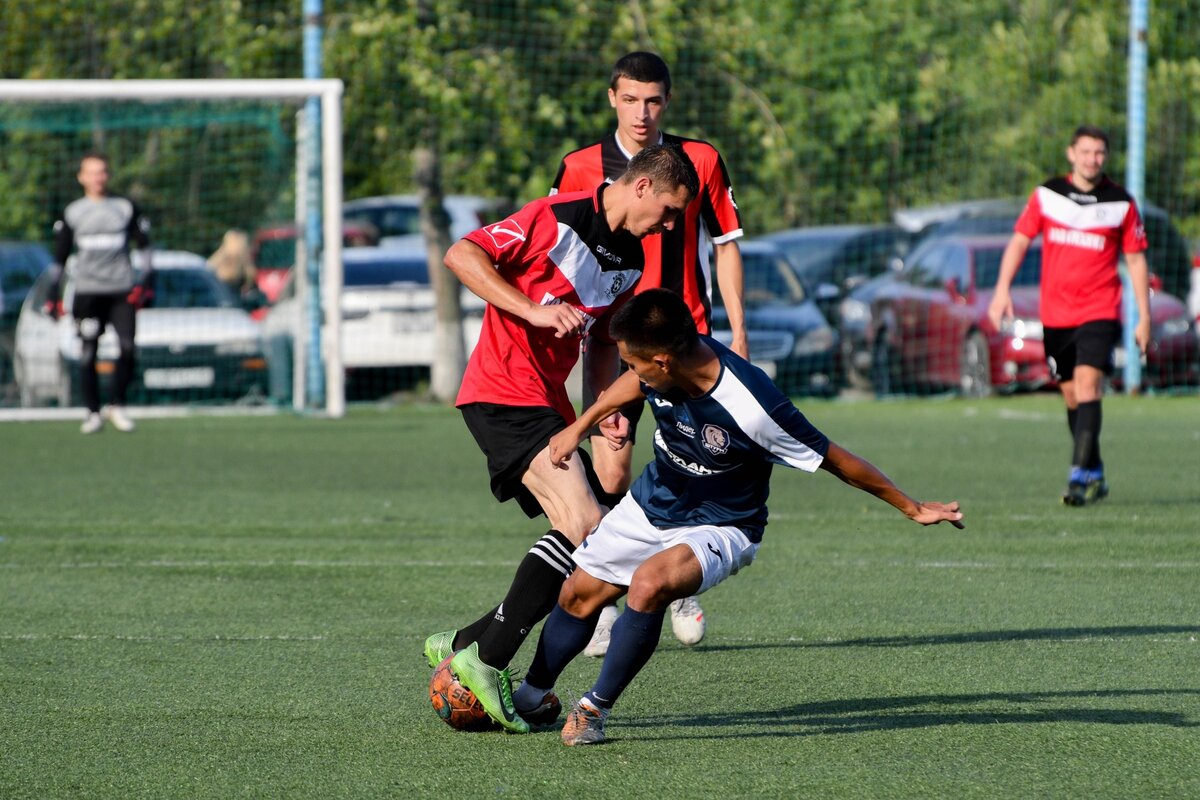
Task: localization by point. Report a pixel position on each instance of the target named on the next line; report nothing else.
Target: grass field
(235, 607)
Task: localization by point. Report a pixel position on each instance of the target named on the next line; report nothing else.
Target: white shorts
(625, 540)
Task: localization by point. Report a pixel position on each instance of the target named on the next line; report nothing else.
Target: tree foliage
(829, 111)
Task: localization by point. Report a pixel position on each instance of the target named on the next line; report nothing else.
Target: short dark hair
(667, 166)
(655, 321)
(642, 67)
(1091, 132)
(95, 155)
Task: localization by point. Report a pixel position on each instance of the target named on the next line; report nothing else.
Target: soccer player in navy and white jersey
(550, 273)
(639, 93)
(1085, 220)
(100, 227)
(698, 512)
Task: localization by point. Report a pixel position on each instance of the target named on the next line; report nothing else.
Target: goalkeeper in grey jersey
(100, 227)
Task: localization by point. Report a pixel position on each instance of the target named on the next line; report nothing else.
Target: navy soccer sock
(563, 637)
(634, 639)
(533, 593)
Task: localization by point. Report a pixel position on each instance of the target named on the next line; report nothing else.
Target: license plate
(183, 378)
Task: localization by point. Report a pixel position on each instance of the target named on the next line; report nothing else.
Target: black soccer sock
(1087, 435)
(534, 591)
(472, 632)
(1072, 417)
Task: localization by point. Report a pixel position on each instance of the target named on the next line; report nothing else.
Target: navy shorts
(1090, 344)
(510, 438)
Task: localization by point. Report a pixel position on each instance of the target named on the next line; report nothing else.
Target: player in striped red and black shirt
(1085, 221)
(639, 92)
(550, 273)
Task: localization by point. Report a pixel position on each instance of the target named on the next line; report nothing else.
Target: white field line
(117, 637)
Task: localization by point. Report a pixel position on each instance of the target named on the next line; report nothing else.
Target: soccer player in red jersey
(1085, 220)
(550, 273)
(640, 92)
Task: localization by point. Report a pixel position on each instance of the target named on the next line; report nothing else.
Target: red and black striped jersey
(676, 259)
(1082, 235)
(554, 250)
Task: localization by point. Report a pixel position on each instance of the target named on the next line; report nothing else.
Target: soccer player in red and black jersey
(1085, 221)
(550, 273)
(640, 92)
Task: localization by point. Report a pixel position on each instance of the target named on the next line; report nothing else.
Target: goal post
(327, 90)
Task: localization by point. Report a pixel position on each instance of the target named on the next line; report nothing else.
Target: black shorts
(511, 437)
(93, 312)
(1090, 344)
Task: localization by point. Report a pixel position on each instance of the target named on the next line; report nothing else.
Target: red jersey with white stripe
(554, 250)
(675, 259)
(1082, 236)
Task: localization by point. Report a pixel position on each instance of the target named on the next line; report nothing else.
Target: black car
(833, 260)
(788, 335)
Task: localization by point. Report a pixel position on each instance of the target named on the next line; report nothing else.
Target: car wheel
(975, 367)
(884, 368)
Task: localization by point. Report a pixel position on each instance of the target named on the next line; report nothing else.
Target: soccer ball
(455, 704)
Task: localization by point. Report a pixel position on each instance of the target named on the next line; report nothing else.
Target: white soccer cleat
(598, 646)
(92, 423)
(116, 415)
(687, 620)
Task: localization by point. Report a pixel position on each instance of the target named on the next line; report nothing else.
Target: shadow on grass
(868, 714)
(973, 637)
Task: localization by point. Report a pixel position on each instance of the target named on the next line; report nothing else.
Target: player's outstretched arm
(862, 474)
(623, 391)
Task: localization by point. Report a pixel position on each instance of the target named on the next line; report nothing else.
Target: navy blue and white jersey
(713, 454)
(101, 230)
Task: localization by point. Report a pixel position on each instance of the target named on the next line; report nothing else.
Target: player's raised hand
(932, 513)
(564, 319)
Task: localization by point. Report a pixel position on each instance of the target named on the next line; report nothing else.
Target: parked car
(388, 320)
(788, 336)
(194, 342)
(833, 260)
(20, 265)
(273, 252)
(397, 218)
(931, 330)
(1168, 255)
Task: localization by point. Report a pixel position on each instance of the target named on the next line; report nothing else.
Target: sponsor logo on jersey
(100, 241)
(693, 467)
(1082, 198)
(1072, 238)
(684, 428)
(661, 403)
(609, 255)
(506, 233)
(716, 439)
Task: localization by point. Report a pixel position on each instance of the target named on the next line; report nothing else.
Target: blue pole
(315, 372)
(1135, 172)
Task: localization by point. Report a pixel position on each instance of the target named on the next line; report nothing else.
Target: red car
(931, 331)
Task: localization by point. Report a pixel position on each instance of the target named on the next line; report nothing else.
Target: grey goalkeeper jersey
(101, 231)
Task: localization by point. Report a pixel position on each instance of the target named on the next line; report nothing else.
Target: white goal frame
(327, 90)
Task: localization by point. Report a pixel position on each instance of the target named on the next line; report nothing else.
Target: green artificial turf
(235, 607)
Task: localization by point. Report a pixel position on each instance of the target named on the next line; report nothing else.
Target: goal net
(242, 207)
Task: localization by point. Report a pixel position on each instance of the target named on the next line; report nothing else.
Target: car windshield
(769, 280)
(190, 288)
(276, 253)
(987, 268)
(394, 220)
(813, 249)
(384, 270)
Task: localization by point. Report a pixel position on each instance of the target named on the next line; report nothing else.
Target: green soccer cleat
(439, 647)
(1076, 494)
(1096, 490)
(492, 688)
